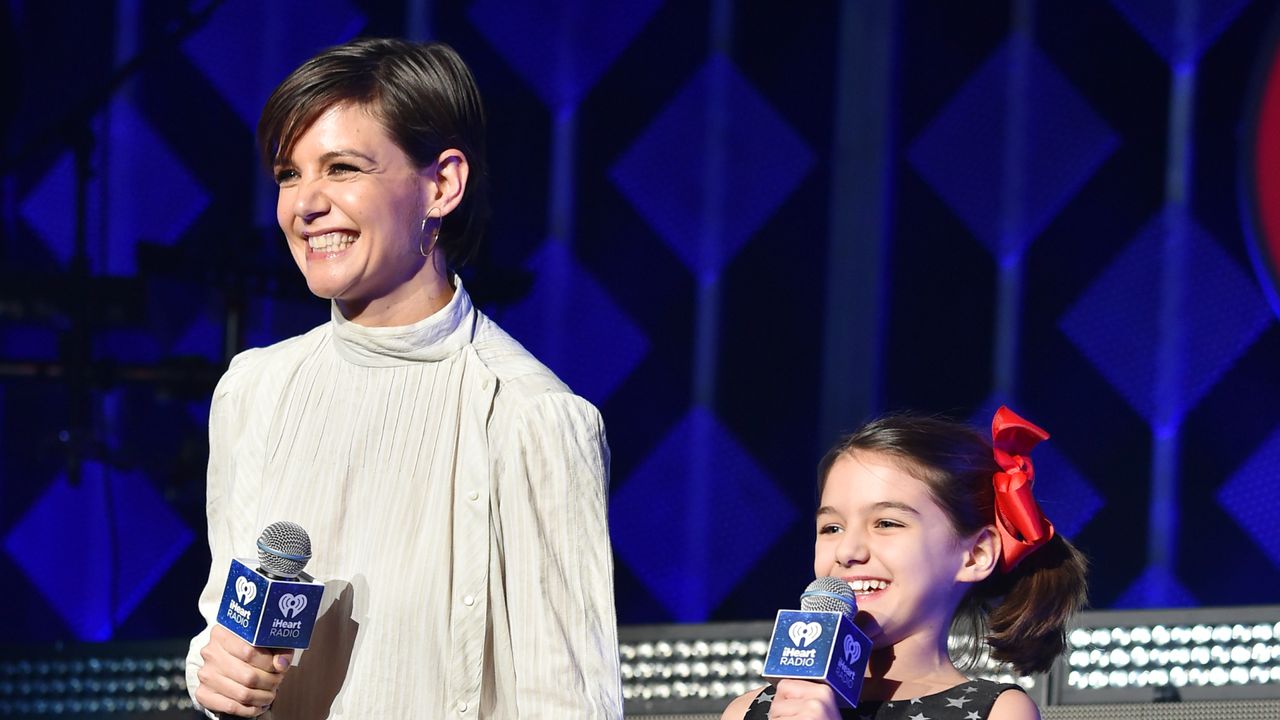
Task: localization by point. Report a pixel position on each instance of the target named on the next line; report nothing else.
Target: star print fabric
(971, 700)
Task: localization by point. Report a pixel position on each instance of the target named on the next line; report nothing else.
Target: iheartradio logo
(852, 650)
(246, 590)
(803, 633)
(291, 605)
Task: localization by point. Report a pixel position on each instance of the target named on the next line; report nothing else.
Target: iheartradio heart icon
(291, 605)
(803, 633)
(852, 650)
(245, 590)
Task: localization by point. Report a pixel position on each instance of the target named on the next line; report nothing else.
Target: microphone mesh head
(828, 594)
(284, 549)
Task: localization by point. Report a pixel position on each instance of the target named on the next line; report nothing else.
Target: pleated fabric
(455, 493)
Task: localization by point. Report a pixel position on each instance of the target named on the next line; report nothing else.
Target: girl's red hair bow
(1021, 524)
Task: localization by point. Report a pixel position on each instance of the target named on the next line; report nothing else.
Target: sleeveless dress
(970, 700)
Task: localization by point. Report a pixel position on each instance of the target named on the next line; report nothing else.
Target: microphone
(819, 641)
(274, 605)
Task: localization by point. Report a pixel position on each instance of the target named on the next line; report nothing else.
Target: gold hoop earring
(435, 235)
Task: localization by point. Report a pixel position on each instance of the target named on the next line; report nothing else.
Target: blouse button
(462, 706)
(468, 601)
(473, 495)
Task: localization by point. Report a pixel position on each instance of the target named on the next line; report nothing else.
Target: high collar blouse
(455, 494)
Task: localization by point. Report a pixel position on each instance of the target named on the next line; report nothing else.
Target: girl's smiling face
(879, 528)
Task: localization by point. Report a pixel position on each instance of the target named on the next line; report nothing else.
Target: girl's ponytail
(1027, 609)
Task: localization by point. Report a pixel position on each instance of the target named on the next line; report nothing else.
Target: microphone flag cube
(266, 612)
(821, 646)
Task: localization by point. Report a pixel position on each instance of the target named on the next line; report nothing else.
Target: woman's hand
(238, 678)
(803, 700)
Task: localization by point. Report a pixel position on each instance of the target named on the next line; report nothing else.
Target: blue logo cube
(266, 612)
(821, 646)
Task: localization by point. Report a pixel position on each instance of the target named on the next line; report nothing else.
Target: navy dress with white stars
(971, 700)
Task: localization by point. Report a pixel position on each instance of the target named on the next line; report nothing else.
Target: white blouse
(455, 494)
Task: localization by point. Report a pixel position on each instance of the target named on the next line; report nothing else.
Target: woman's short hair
(423, 94)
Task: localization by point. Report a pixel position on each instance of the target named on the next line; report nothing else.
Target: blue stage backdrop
(736, 227)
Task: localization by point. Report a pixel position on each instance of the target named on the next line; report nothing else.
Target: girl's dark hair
(424, 96)
(1022, 614)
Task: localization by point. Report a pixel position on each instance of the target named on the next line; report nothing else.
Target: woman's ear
(981, 555)
(448, 180)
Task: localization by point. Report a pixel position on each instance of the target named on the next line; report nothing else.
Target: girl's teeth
(868, 585)
(331, 242)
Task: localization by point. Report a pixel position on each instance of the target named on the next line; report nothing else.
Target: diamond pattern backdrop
(964, 154)
(754, 183)
(131, 156)
(644, 154)
(1116, 323)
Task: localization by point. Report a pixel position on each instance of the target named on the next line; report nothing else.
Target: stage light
(1204, 653)
(95, 680)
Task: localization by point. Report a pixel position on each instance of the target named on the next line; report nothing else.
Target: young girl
(936, 530)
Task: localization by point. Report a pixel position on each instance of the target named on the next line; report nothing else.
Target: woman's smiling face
(351, 205)
(879, 528)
